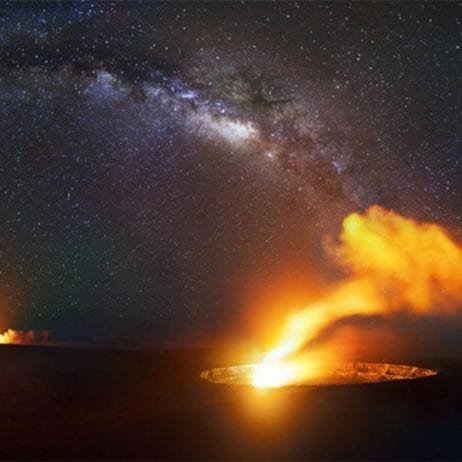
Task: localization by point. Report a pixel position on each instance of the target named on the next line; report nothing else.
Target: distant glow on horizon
(19, 337)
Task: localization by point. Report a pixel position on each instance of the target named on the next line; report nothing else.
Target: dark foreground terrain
(63, 403)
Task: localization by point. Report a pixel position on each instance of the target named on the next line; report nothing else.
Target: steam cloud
(394, 264)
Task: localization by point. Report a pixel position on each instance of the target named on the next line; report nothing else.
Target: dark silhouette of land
(74, 403)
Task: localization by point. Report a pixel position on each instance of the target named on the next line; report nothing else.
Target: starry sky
(162, 162)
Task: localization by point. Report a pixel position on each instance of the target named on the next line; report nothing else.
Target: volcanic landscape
(77, 404)
(230, 230)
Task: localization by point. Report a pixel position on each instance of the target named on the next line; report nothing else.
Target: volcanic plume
(393, 264)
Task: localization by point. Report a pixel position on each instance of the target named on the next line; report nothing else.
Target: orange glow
(20, 337)
(269, 299)
(394, 264)
(273, 374)
(303, 368)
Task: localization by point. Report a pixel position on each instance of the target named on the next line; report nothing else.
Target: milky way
(160, 159)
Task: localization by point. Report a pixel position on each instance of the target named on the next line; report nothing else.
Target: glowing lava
(343, 374)
(273, 374)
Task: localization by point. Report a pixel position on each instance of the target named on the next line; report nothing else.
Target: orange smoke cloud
(394, 264)
(20, 337)
(411, 264)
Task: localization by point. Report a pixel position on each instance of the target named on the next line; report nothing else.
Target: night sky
(161, 163)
